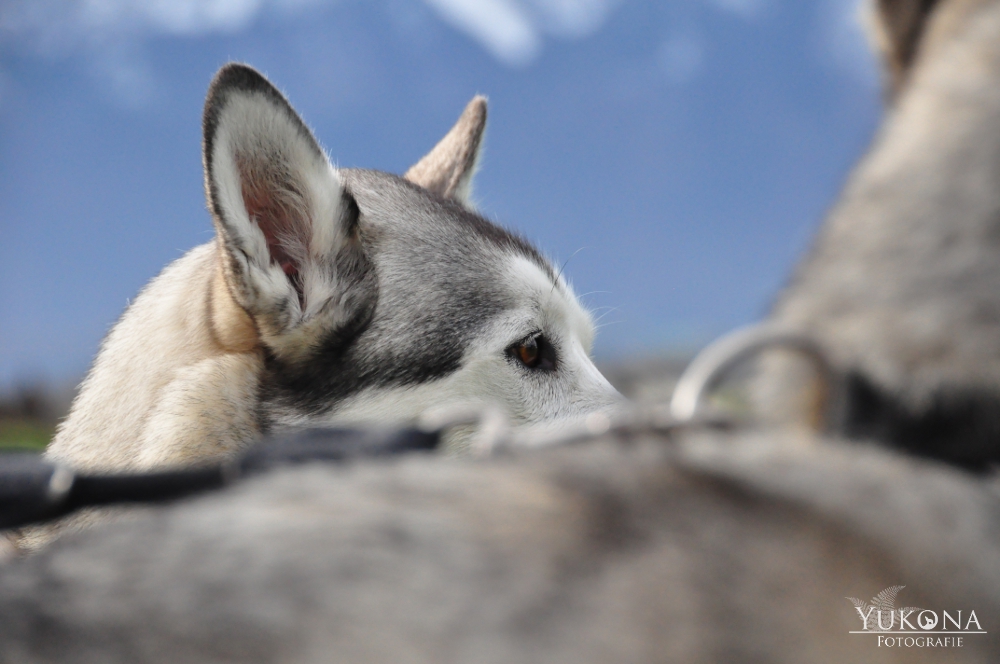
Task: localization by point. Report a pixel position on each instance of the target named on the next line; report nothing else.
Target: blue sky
(677, 155)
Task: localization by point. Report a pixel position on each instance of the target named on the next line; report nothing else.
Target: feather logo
(882, 608)
(910, 627)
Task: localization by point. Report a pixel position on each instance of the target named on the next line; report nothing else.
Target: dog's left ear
(287, 228)
(447, 170)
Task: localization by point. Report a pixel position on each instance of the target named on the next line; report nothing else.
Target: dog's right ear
(287, 228)
(447, 170)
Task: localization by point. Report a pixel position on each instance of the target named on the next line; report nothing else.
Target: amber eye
(534, 352)
(527, 352)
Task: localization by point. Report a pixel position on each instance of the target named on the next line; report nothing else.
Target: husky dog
(903, 283)
(328, 296)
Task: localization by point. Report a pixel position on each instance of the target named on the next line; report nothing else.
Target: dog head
(375, 297)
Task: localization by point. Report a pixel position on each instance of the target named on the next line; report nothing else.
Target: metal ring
(712, 364)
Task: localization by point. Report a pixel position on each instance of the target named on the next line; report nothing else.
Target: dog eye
(535, 352)
(527, 352)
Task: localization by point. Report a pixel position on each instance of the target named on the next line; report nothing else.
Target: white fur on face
(572, 391)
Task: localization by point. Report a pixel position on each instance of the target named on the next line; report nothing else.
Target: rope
(33, 489)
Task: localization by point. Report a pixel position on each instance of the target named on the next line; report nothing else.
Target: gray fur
(441, 278)
(704, 549)
(903, 282)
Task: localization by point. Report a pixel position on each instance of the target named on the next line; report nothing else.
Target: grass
(23, 435)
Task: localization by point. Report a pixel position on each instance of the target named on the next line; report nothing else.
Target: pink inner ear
(274, 210)
(276, 220)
